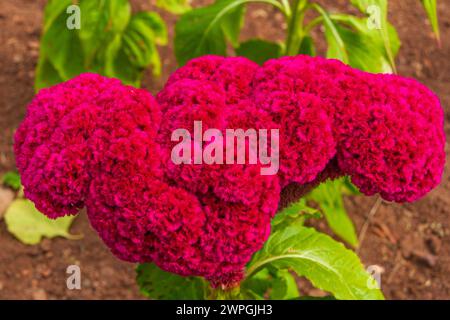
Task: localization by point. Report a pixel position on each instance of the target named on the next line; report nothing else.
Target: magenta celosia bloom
(93, 142)
(388, 131)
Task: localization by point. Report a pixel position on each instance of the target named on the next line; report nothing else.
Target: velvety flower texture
(387, 131)
(93, 142)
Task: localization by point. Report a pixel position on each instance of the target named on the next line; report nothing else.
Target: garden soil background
(410, 242)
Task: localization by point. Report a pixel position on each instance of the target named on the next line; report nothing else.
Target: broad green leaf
(28, 225)
(336, 45)
(329, 197)
(431, 9)
(136, 49)
(157, 284)
(365, 47)
(205, 30)
(110, 42)
(232, 24)
(295, 213)
(259, 51)
(257, 286)
(46, 74)
(12, 179)
(307, 46)
(377, 9)
(53, 9)
(174, 6)
(325, 262)
(101, 21)
(284, 286)
(199, 31)
(62, 48)
(270, 283)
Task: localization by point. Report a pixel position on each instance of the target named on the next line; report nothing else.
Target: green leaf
(53, 9)
(110, 42)
(62, 48)
(161, 285)
(101, 21)
(257, 286)
(259, 51)
(46, 74)
(365, 47)
(348, 188)
(28, 225)
(329, 197)
(232, 24)
(336, 45)
(137, 48)
(12, 179)
(431, 9)
(365, 52)
(204, 30)
(295, 213)
(385, 31)
(174, 6)
(271, 283)
(325, 262)
(284, 286)
(307, 46)
(199, 31)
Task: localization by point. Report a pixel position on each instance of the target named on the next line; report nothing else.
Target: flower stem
(295, 27)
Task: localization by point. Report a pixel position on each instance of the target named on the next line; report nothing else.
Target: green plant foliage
(174, 6)
(324, 261)
(328, 196)
(307, 46)
(28, 225)
(259, 51)
(365, 48)
(334, 38)
(431, 9)
(295, 213)
(386, 32)
(231, 24)
(110, 42)
(12, 179)
(270, 283)
(155, 283)
(205, 30)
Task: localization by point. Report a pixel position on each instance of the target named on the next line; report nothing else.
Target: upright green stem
(295, 27)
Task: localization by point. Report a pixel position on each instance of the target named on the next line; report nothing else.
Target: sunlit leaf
(29, 225)
(174, 6)
(325, 262)
(328, 196)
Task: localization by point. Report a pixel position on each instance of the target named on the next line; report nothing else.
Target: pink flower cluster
(93, 142)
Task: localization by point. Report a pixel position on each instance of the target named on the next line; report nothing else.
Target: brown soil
(410, 242)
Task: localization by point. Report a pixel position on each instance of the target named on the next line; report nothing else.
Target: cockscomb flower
(388, 133)
(93, 142)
